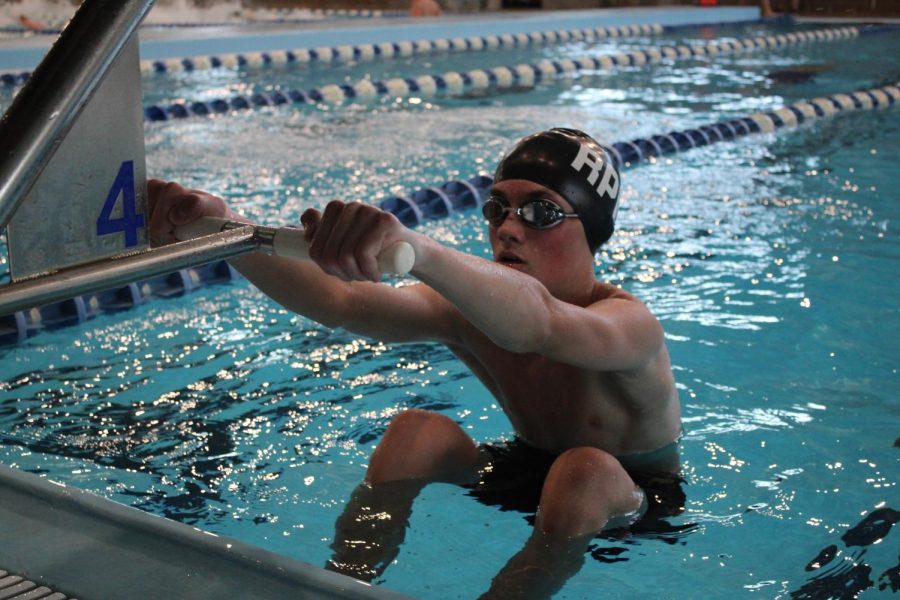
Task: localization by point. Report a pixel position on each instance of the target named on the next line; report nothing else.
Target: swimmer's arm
(376, 310)
(519, 314)
(616, 334)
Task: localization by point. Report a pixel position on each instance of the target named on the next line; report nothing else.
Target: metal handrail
(47, 106)
(108, 274)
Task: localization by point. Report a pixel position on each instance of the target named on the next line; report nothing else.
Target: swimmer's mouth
(509, 259)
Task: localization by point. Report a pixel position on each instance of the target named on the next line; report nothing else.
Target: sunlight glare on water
(769, 261)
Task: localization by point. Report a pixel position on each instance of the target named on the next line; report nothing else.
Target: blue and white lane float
(403, 49)
(436, 202)
(400, 49)
(523, 75)
(346, 53)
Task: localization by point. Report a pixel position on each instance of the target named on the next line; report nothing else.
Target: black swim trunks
(514, 475)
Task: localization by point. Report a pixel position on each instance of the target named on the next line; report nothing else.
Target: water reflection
(769, 262)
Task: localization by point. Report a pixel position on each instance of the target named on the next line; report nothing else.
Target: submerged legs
(370, 530)
(418, 448)
(584, 490)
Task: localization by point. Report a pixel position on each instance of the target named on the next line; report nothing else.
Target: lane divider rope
(400, 49)
(404, 49)
(385, 50)
(523, 75)
(436, 202)
(440, 201)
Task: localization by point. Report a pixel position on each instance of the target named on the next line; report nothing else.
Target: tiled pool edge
(89, 547)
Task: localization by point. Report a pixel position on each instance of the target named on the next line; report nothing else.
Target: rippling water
(771, 263)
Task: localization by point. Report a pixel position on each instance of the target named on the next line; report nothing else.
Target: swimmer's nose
(512, 228)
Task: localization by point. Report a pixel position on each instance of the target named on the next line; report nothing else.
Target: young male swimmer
(578, 365)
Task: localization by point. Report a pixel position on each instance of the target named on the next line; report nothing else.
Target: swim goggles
(537, 214)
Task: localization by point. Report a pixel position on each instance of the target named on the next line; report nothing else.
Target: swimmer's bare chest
(552, 405)
(557, 406)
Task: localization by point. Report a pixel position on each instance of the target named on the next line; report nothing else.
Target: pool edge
(90, 547)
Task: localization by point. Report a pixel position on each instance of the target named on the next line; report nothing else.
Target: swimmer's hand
(172, 205)
(355, 242)
(349, 240)
(290, 242)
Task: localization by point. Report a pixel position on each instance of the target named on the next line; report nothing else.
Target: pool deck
(161, 42)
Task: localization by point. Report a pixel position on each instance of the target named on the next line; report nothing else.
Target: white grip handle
(398, 258)
(200, 227)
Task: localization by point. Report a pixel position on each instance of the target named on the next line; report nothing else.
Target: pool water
(771, 263)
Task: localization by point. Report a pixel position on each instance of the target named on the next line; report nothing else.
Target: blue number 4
(130, 222)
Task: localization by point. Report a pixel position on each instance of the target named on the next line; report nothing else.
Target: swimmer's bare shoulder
(607, 291)
(630, 313)
(649, 390)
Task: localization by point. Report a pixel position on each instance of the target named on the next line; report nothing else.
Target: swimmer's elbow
(648, 346)
(518, 344)
(533, 336)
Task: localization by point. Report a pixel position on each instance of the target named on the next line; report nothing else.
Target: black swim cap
(575, 166)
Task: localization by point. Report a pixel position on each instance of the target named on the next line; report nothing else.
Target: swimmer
(579, 366)
(784, 7)
(799, 74)
(425, 8)
(31, 24)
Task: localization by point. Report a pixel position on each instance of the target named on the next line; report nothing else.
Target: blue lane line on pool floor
(436, 202)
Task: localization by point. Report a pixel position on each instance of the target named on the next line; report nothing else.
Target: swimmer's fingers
(362, 241)
(332, 246)
(373, 239)
(346, 240)
(310, 220)
(154, 189)
(172, 205)
(161, 196)
(323, 234)
(319, 229)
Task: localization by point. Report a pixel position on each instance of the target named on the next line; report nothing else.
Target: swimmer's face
(549, 254)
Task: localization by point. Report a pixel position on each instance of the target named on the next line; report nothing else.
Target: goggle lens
(538, 214)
